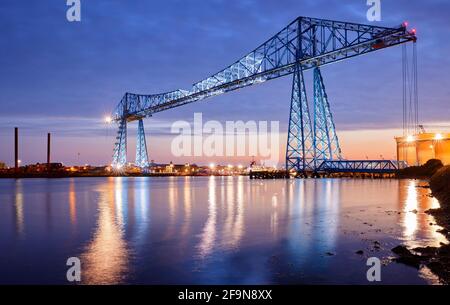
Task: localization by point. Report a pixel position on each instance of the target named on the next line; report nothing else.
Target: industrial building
(418, 149)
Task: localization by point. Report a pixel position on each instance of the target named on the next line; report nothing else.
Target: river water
(212, 230)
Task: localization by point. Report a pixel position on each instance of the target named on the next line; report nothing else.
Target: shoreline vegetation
(437, 259)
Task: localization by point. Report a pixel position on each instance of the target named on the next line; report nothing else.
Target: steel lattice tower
(326, 142)
(299, 151)
(120, 147)
(141, 147)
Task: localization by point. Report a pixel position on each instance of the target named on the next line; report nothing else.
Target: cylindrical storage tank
(418, 149)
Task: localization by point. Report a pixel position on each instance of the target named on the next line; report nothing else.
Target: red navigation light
(413, 31)
(405, 24)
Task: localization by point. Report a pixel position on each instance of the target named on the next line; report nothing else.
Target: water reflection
(220, 230)
(208, 236)
(314, 215)
(72, 202)
(141, 212)
(121, 200)
(105, 260)
(418, 227)
(233, 227)
(299, 230)
(48, 206)
(274, 215)
(172, 202)
(187, 205)
(331, 211)
(410, 210)
(18, 208)
(238, 228)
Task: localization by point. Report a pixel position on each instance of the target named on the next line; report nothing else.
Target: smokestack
(48, 151)
(16, 148)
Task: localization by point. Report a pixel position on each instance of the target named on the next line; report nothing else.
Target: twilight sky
(63, 77)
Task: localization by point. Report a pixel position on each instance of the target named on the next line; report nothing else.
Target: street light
(438, 136)
(108, 119)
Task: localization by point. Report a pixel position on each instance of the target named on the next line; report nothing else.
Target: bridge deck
(361, 166)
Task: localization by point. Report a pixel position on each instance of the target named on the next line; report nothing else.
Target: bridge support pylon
(326, 142)
(141, 147)
(299, 150)
(120, 147)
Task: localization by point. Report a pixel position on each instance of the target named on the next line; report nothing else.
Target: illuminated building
(418, 149)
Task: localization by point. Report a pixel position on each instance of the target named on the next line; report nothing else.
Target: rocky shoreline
(437, 259)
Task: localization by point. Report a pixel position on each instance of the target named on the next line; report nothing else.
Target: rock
(330, 253)
(406, 257)
(360, 252)
(409, 260)
(445, 251)
(426, 251)
(443, 231)
(401, 250)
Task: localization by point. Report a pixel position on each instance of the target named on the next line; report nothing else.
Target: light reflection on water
(18, 207)
(414, 201)
(208, 235)
(215, 230)
(105, 258)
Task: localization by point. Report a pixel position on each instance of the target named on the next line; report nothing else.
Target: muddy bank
(440, 186)
(437, 259)
(425, 171)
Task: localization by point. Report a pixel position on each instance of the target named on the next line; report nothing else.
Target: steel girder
(120, 147)
(299, 149)
(326, 142)
(141, 147)
(308, 41)
(361, 166)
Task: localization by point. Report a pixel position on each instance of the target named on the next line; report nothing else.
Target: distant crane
(421, 129)
(305, 43)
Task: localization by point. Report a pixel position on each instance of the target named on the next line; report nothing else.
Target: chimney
(16, 148)
(48, 151)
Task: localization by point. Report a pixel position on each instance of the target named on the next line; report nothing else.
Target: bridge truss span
(361, 166)
(303, 44)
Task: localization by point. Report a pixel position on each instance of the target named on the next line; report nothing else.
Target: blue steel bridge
(304, 44)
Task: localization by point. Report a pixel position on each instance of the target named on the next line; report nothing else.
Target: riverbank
(437, 259)
(58, 175)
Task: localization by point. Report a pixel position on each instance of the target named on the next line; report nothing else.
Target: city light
(230, 166)
(240, 166)
(212, 165)
(108, 119)
(410, 138)
(438, 136)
